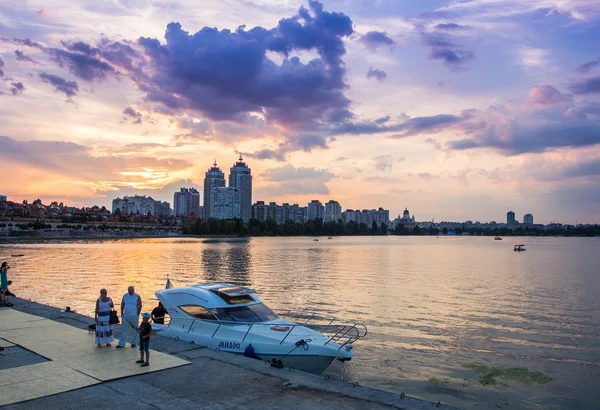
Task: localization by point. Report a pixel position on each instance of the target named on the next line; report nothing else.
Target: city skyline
(456, 109)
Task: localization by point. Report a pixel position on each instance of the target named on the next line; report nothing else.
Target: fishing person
(131, 307)
(144, 331)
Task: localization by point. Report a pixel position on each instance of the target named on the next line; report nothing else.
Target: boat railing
(336, 331)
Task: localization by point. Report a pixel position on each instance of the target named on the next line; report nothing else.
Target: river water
(432, 305)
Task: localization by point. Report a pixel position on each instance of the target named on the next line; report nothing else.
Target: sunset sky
(455, 109)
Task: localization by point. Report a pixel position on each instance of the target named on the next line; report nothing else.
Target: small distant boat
(519, 248)
(331, 237)
(498, 238)
(315, 240)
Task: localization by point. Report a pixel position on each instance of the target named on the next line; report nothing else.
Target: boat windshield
(253, 313)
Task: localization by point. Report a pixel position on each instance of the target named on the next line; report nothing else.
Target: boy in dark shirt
(145, 330)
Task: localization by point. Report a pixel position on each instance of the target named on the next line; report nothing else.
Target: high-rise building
(2, 198)
(225, 203)
(315, 210)
(333, 211)
(213, 178)
(240, 178)
(528, 219)
(510, 218)
(186, 202)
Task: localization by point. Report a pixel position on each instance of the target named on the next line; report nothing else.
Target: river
(434, 306)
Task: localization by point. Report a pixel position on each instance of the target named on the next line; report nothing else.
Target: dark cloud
(382, 120)
(441, 47)
(1, 67)
(374, 39)
(585, 111)
(22, 57)
(133, 114)
(586, 86)
(81, 65)
(17, 88)
(223, 74)
(587, 67)
(450, 27)
(70, 88)
(407, 128)
(376, 73)
(515, 139)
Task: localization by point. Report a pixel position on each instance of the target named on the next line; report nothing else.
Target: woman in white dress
(104, 330)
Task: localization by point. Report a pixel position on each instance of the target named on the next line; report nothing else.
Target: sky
(457, 110)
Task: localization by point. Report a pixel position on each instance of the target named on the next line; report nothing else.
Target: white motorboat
(233, 319)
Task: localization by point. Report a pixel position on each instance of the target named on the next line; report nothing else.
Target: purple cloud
(374, 39)
(586, 111)
(223, 74)
(1, 67)
(586, 86)
(137, 116)
(408, 128)
(376, 73)
(587, 67)
(450, 27)
(22, 57)
(70, 88)
(267, 154)
(442, 48)
(17, 88)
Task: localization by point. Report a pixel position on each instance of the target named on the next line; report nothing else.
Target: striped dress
(104, 330)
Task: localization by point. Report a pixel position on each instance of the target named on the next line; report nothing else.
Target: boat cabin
(215, 302)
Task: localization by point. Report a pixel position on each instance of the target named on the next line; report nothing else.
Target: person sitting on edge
(4, 282)
(131, 306)
(158, 314)
(145, 330)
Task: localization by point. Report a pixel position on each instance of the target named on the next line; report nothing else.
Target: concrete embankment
(213, 380)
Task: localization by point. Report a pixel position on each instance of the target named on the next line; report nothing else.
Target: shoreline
(257, 383)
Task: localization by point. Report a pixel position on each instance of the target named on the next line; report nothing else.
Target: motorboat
(497, 238)
(330, 237)
(315, 240)
(233, 319)
(519, 248)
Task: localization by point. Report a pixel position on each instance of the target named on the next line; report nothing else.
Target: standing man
(131, 306)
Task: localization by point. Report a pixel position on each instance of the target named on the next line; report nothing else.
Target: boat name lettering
(229, 345)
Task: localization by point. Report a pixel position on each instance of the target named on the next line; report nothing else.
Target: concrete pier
(213, 380)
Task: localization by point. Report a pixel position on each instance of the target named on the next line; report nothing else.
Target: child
(4, 301)
(145, 330)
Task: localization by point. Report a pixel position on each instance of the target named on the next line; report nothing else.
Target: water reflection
(430, 304)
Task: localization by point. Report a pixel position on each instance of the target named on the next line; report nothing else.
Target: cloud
(22, 57)
(586, 86)
(133, 114)
(531, 58)
(1, 67)
(443, 48)
(83, 163)
(587, 67)
(406, 128)
(376, 73)
(543, 95)
(266, 153)
(374, 39)
(291, 180)
(450, 27)
(385, 162)
(222, 74)
(17, 88)
(585, 111)
(70, 88)
(141, 147)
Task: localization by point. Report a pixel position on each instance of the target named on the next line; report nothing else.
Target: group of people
(4, 283)
(131, 308)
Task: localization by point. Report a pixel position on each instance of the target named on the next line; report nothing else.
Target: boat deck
(55, 358)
